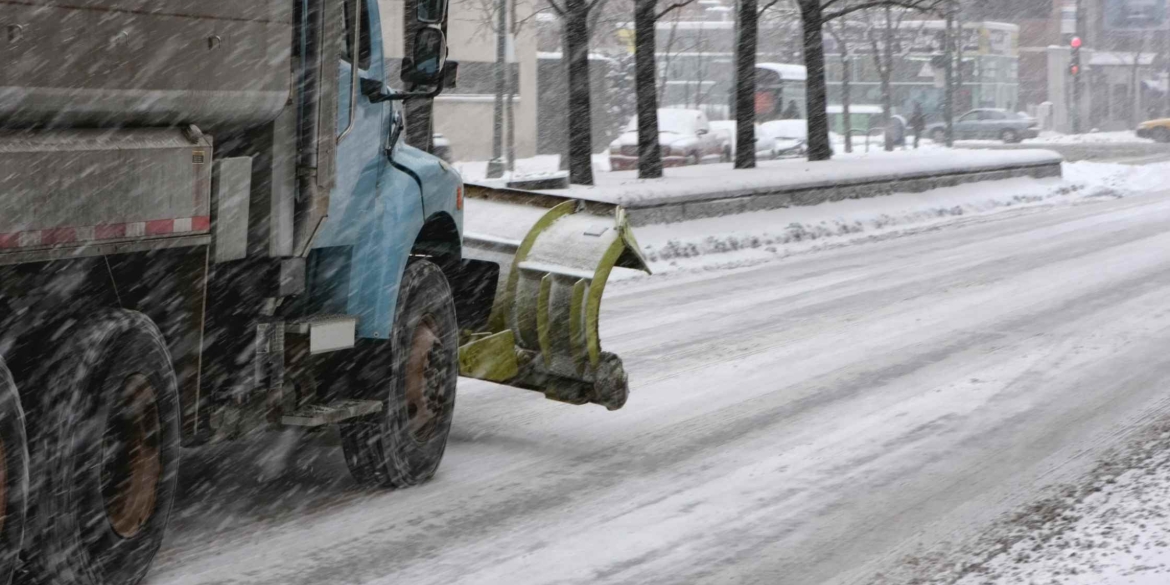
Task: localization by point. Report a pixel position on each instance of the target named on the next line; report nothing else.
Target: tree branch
(768, 5)
(919, 5)
(595, 4)
(557, 9)
(674, 6)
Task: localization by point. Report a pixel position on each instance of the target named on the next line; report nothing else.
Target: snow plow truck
(211, 226)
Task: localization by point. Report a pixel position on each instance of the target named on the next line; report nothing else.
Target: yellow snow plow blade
(555, 255)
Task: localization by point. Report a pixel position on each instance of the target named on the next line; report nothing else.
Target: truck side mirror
(431, 11)
(425, 66)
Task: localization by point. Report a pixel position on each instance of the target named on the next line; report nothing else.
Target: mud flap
(555, 255)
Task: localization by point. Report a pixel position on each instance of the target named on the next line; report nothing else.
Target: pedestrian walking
(917, 122)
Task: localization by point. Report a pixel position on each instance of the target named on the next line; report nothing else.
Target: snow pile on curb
(1116, 530)
(1112, 528)
(764, 235)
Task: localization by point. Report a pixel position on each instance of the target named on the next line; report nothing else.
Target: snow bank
(762, 236)
(1056, 138)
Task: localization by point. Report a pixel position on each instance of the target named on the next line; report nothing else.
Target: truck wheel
(13, 475)
(419, 366)
(107, 440)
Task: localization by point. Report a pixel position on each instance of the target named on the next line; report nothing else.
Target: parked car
(766, 141)
(990, 124)
(684, 135)
(725, 130)
(1158, 129)
(784, 137)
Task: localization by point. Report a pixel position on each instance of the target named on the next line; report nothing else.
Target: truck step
(326, 332)
(318, 415)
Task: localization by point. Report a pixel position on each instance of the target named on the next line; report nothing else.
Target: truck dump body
(71, 63)
(78, 187)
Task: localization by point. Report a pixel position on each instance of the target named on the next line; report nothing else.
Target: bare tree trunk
(1135, 88)
(846, 81)
(949, 90)
(846, 98)
(564, 140)
(512, 83)
(746, 32)
(649, 152)
(958, 54)
(815, 98)
(495, 167)
(701, 69)
(510, 121)
(666, 59)
(886, 73)
(580, 114)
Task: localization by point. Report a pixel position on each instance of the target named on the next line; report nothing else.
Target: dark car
(988, 124)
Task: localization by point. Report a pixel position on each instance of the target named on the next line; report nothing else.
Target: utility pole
(1074, 69)
(495, 168)
(512, 86)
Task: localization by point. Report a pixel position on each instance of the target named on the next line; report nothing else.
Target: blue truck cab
(390, 199)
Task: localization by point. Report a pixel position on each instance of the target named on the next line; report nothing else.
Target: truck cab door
(361, 127)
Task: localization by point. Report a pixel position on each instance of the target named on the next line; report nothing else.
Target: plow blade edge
(555, 255)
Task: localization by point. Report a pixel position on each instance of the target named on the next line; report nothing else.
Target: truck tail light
(459, 198)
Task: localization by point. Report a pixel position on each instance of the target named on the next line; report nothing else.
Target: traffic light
(1074, 66)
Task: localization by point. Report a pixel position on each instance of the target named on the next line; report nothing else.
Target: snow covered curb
(707, 191)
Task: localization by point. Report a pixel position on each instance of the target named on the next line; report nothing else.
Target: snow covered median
(707, 182)
(760, 236)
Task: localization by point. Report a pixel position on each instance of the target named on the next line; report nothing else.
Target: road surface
(811, 420)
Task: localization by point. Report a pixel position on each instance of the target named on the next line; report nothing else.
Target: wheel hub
(425, 388)
(131, 463)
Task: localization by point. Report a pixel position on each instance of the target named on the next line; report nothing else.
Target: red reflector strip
(160, 227)
(68, 235)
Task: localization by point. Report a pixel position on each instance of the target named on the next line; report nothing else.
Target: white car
(785, 137)
(765, 145)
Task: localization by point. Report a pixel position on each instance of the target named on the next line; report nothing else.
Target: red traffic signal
(1075, 42)
(1074, 69)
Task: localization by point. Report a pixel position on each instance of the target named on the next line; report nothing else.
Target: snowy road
(810, 420)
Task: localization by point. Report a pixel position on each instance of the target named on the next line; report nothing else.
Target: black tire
(1160, 134)
(726, 156)
(938, 135)
(419, 366)
(1009, 136)
(13, 475)
(105, 447)
(693, 159)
